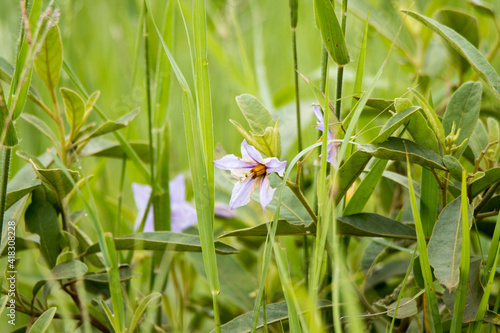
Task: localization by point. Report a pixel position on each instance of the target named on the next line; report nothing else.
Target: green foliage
(369, 237)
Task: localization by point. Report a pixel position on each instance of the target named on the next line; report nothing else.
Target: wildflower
(252, 171)
(331, 148)
(183, 214)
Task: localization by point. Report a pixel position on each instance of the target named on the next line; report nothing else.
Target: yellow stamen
(258, 170)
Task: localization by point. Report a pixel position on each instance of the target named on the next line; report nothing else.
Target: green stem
(150, 118)
(297, 97)
(6, 151)
(298, 193)
(340, 69)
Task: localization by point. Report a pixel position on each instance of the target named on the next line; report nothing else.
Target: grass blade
(430, 292)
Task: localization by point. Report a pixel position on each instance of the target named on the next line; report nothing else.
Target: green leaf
(3, 303)
(465, 49)
(350, 171)
(42, 127)
(365, 189)
(407, 308)
(463, 110)
(431, 116)
(105, 148)
(453, 166)
(394, 123)
(16, 195)
(69, 270)
(124, 271)
(363, 225)
(421, 132)
(284, 228)
(483, 8)
(112, 125)
(147, 302)
(479, 139)
(57, 179)
(49, 61)
(162, 241)
(91, 102)
(41, 218)
(474, 293)
(21, 245)
(11, 139)
(255, 113)
(275, 312)
(269, 142)
(331, 32)
(445, 245)
(396, 148)
(43, 322)
(464, 24)
(373, 225)
(74, 106)
(490, 177)
(428, 200)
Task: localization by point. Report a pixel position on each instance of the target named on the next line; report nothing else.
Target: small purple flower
(252, 171)
(183, 214)
(331, 147)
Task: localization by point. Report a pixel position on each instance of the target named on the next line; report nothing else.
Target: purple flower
(252, 171)
(182, 213)
(331, 147)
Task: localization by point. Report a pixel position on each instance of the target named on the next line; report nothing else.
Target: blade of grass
(430, 292)
(358, 82)
(461, 291)
(294, 8)
(203, 91)
(199, 173)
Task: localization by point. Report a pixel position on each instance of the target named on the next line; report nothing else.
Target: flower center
(257, 171)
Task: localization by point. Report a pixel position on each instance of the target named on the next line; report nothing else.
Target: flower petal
(231, 162)
(321, 119)
(274, 165)
(223, 211)
(249, 153)
(183, 216)
(141, 197)
(266, 192)
(241, 193)
(177, 189)
(331, 155)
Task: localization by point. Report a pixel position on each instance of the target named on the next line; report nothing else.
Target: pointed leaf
(396, 148)
(350, 171)
(111, 126)
(373, 225)
(284, 228)
(463, 110)
(16, 195)
(331, 33)
(105, 148)
(43, 322)
(421, 132)
(146, 303)
(69, 270)
(57, 180)
(275, 312)
(164, 241)
(490, 177)
(74, 107)
(445, 244)
(49, 61)
(474, 293)
(41, 219)
(255, 113)
(124, 271)
(465, 49)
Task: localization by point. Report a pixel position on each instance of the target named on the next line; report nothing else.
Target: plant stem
(298, 193)
(293, 26)
(340, 69)
(150, 116)
(6, 151)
